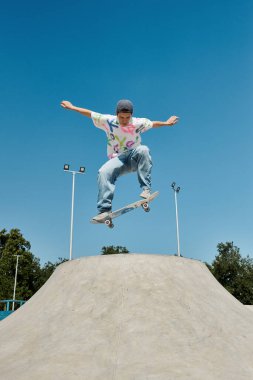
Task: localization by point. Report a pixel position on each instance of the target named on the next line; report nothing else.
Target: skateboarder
(124, 149)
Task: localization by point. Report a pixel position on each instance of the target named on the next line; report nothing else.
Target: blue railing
(7, 306)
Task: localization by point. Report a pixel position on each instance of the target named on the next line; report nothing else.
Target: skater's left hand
(172, 120)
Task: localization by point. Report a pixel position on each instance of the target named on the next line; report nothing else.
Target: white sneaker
(145, 194)
(101, 216)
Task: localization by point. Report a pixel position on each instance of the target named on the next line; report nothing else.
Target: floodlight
(66, 167)
(82, 169)
(173, 185)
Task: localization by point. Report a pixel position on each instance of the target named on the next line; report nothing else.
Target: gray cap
(124, 105)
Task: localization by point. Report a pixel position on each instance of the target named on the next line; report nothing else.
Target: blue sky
(189, 58)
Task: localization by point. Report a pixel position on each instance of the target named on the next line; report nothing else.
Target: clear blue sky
(187, 58)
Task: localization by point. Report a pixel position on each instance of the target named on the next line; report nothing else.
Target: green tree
(234, 272)
(29, 276)
(112, 250)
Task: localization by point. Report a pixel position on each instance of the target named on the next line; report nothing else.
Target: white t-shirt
(121, 138)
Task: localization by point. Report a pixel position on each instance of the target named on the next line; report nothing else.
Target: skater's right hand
(67, 105)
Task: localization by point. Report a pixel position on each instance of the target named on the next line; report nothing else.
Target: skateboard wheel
(145, 207)
(109, 223)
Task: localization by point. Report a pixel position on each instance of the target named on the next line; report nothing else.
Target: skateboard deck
(107, 217)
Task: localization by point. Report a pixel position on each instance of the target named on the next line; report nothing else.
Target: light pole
(176, 191)
(15, 282)
(81, 171)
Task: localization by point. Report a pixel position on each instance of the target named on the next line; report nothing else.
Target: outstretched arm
(170, 122)
(70, 106)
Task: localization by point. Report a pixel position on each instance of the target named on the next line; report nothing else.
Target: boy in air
(125, 152)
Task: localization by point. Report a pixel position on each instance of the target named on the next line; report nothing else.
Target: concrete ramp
(129, 317)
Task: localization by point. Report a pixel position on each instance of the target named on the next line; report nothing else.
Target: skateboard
(107, 217)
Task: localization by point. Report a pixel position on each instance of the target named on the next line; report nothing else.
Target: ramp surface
(129, 317)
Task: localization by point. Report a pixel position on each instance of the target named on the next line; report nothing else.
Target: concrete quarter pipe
(129, 317)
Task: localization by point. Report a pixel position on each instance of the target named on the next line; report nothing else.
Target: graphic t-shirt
(121, 138)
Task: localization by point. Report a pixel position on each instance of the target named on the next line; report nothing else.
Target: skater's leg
(142, 163)
(107, 176)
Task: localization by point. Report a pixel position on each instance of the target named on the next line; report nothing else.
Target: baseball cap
(124, 105)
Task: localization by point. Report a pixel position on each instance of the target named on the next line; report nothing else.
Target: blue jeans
(137, 159)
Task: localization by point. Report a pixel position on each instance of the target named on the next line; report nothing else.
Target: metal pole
(15, 282)
(176, 190)
(178, 243)
(81, 171)
(72, 215)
